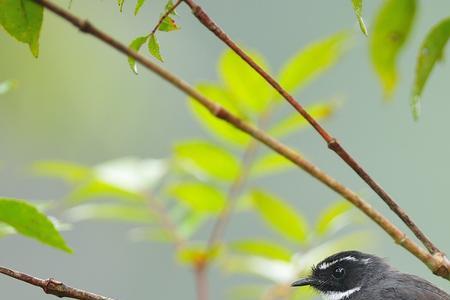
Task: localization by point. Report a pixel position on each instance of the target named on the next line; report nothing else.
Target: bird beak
(304, 281)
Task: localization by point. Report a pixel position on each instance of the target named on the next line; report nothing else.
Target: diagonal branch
(53, 287)
(437, 262)
(332, 143)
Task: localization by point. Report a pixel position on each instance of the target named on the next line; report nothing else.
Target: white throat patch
(340, 295)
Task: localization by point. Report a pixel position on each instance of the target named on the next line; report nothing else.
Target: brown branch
(53, 287)
(438, 263)
(165, 15)
(333, 144)
(201, 281)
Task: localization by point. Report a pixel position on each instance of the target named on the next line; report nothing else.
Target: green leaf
(153, 48)
(275, 270)
(95, 189)
(200, 197)
(154, 234)
(135, 45)
(6, 230)
(22, 19)
(111, 212)
(303, 294)
(67, 171)
(120, 3)
(190, 224)
(333, 218)
(30, 222)
(198, 253)
(247, 292)
(357, 7)
(262, 248)
(7, 86)
(168, 24)
(216, 126)
(132, 174)
(390, 31)
(431, 51)
(270, 163)
(313, 60)
(246, 85)
(169, 6)
(296, 122)
(139, 4)
(281, 217)
(207, 159)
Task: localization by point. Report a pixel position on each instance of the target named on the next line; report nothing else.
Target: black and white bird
(353, 275)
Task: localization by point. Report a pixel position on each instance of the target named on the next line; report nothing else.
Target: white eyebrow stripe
(324, 266)
(340, 295)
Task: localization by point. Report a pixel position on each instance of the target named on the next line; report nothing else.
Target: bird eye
(339, 273)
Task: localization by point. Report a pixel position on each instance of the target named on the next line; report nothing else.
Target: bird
(354, 275)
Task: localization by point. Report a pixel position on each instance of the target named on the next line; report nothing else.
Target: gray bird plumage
(353, 275)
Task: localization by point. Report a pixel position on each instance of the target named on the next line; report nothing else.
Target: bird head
(342, 274)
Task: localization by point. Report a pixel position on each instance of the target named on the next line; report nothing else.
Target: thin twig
(246, 164)
(332, 143)
(165, 15)
(166, 222)
(53, 287)
(438, 263)
(201, 282)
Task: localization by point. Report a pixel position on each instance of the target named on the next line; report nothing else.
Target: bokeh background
(80, 102)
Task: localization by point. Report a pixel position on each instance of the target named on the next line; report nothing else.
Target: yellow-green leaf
(120, 3)
(247, 292)
(153, 48)
(296, 122)
(357, 7)
(169, 6)
(111, 212)
(7, 86)
(132, 174)
(135, 45)
(67, 171)
(207, 159)
(262, 248)
(95, 189)
(390, 31)
(199, 197)
(29, 221)
(216, 126)
(138, 6)
(281, 216)
(270, 163)
(313, 60)
(198, 253)
(190, 223)
(22, 19)
(431, 51)
(333, 217)
(168, 24)
(244, 83)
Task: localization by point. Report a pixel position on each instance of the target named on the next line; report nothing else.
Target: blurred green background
(80, 102)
